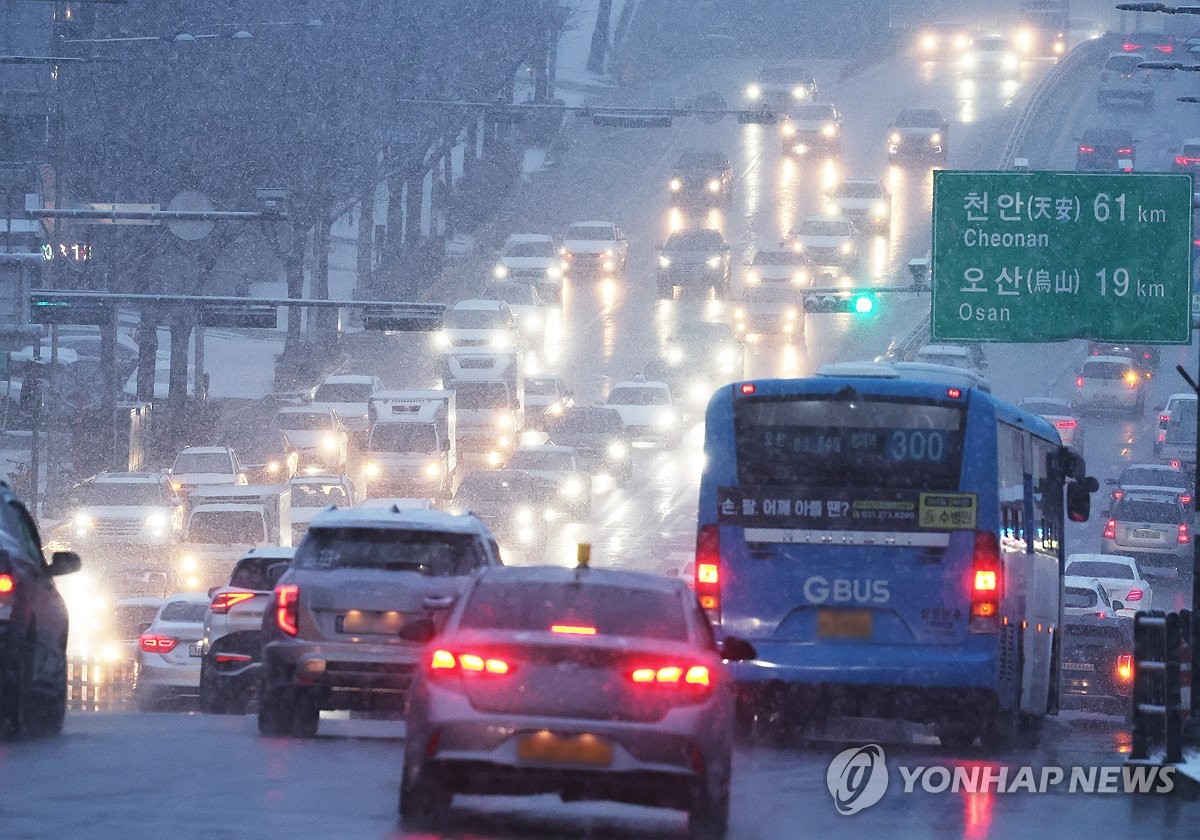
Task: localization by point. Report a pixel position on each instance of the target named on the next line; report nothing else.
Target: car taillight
(1118, 494)
(287, 608)
(1164, 418)
(1164, 48)
(682, 676)
(1181, 161)
(1087, 150)
(445, 662)
(1162, 437)
(1127, 151)
(708, 574)
(1125, 667)
(7, 584)
(233, 658)
(1175, 464)
(1066, 424)
(1185, 499)
(1134, 595)
(1110, 529)
(1078, 381)
(986, 581)
(1184, 535)
(222, 602)
(1129, 46)
(152, 643)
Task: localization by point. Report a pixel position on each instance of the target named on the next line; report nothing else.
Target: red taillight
(1124, 151)
(151, 643)
(1175, 464)
(954, 393)
(1129, 46)
(1118, 494)
(1185, 499)
(1145, 355)
(1163, 418)
(1164, 48)
(694, 675)
(1181, 161)
(448, 662)
(287, 609)
(7, 584)
(1087, 150)
(1184, 535)
(986, 580)
(708, 564)
(1066, 424)
(232, 658)
(1134, 595)
(1078, 381)
(748, 388)
(222, 602)
(1125, 667)
(1110, 529)
(573, 629)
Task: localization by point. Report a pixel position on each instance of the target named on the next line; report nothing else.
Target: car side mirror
(64, 563)
(1110, 481)
(1118, 605)
(734, 649)
(422, 630)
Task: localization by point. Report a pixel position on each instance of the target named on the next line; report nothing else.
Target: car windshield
(824, 227)
(403, 437)
(226, 528)
(183, 611)
(607, 610)
(531, 249)
(520, 294)
(544, 460)
(257, 573)
(1162, 513)
(1100, 569)
(1143, 477)
(476, 319)
(202, 462)
(784, 75)
(590, 421)
(303, 420)
(813, 113)
(343, 392)
(919, 118)
(481, 395)
(590, 232)
(859, 189)
(991, 45)
(1080, 598)
(542, 386)
(780, 257)
(488, 484)
(695, 240)
(318, 495)
(259, 448)
(133, 494)
(429, 553)
(692, 161)
(638, 395)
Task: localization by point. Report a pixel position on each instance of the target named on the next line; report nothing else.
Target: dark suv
(346, 626)
(1105, 150)
(701, 178)
(33, 626)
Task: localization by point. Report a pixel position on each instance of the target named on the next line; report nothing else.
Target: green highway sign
(1048, 256)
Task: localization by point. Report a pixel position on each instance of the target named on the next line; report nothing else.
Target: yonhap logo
(857, 778)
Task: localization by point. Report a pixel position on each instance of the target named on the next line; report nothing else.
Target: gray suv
(348, 620)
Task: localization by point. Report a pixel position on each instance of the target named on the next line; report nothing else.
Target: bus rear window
(840, 442)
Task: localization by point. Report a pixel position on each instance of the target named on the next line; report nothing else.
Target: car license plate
(1143, 534)
(194, 649)
(367, 622)
(563, 749)
(1078, 666)
(844, 624)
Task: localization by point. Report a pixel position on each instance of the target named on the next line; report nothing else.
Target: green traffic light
(864, 304)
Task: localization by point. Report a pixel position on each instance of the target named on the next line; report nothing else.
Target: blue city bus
(891, 547)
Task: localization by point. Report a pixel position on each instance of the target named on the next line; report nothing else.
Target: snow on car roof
(128, 478)
(480, 304)
(204, 450)
(546, 447)
(600, 577)
(591, 224)
(528, 237)
(408, 519)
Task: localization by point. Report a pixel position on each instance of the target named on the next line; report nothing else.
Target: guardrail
(1158, 670)
(96, 685)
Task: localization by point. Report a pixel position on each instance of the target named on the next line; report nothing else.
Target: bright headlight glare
(753, 91)
(752, 277)
(936, 137)
(553, 271)
(84, 521)
(676, 185)
(879, 209)
(504, 421)
(433, 469)
(894, 137)
(800, 278)
(714, 185)
(442, 339)
(617, 450)
(845, 247)
(188, 563)
(501, 341)
(674, 355)
(829, 130)
(501, 271)
(713, 262)
(929, 42)
(329, 443)
(799, 92)
(666, 419)
(273, 468)
(156, 521)
(663, 261)
(789, 130)
(372, 469)
(523, 516)
(572, 488)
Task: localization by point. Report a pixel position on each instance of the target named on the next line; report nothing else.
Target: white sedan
(1118, 574)
(827, 240)
(169, 652)
(647, 410)
(594, 246)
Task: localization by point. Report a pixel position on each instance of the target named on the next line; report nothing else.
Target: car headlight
(84, 522)
(969, 60)
(894, 137)
(523, 516)
(533, 321)
(501, 341)
(1025, 39)
(617, 450)
(829, 129)
(961, 42)
(714, 185)
(500, 271)
(665, 419)
(739, 314)
(676, 184)
(753, 92)
(504, 421)
(156, 521)
(433, 469)
(330, 443)
(799, 92)
(752, 278)
(879, 209)
(699, 392)
(789, 129)
(442, 340)
(553, 271)
(608, 252)
(1010, 62)
(550, 514)
(935, 138)
(572, 488)
(800, 278)
(675, 356)
(188, 563)
(556, 408)
(372, 469)
(663, 261)
(504, 441)
(1060, 47)
(833, 208)
(727, 359)
(713, 262)
(273, 468)
(845, 247)
(494, 458)
(929, 42)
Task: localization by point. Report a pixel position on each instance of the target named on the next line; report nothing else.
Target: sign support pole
(1194, 630)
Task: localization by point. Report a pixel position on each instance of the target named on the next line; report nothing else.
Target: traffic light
(858, 303)
(864, 304)
(66, 309)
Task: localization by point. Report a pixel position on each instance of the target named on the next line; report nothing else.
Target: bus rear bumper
(927, 666)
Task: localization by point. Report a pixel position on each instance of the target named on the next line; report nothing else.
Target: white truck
(225, 523)
(411, 447)
(490, 392)
(1176, 441)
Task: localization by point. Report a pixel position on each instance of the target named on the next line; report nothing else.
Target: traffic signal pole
(1194, 630)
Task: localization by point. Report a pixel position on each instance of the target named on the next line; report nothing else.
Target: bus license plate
(559, 749)
(844, 624)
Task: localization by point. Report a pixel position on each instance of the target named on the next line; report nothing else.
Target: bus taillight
(708, 570)
(986, 580)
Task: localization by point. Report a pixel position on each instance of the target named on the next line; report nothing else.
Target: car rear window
(183, 611)
(1154, 478)
(587, 421)
(430, 553)
(1139, 511)
(609, 610)
(859, 189)
(1080, 598)
(1104, 370)
(132, 620)
(1101, 569)
(1123, 63)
